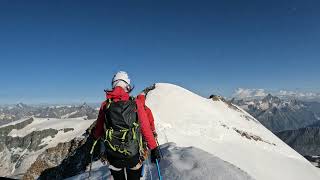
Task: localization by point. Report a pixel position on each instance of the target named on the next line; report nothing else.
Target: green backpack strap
(93, 145)
(139, 138)
(108, 101)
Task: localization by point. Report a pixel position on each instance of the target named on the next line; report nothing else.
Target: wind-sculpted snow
(179, 163)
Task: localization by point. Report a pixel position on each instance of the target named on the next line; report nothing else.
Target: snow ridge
(190, 120)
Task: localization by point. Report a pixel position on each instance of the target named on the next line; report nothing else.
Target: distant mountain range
(305, 141)
(42, 147)
(243, 93)
(296, 122)
(279, 114)
(19, 111)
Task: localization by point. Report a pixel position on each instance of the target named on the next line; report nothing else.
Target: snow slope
(227, 143)
(179, 163)
(38, 124)
(226, 132)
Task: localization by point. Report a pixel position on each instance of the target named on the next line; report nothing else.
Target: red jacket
(118, 94)
(142, 98)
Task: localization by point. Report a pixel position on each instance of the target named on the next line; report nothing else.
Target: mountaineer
(126, 126)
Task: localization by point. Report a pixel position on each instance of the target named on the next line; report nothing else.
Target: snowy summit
(227, 132)
(206, 139)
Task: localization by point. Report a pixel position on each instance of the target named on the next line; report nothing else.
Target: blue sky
(67, 51)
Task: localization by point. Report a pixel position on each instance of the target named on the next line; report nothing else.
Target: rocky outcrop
(16, 149)
(52, 164)
(31, 141)
(232, 106)
(216, 97)
(229, 103)
(4, 131)
(252, 136)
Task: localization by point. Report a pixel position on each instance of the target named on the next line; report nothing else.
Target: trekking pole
(158, 169)
(142, 170)
(91, 154)
(90, 166)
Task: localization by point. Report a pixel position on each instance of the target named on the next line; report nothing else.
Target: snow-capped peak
(21, 105)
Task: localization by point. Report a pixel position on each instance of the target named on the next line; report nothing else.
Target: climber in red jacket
(121, 122)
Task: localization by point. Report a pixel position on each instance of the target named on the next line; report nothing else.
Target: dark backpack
(123, 138)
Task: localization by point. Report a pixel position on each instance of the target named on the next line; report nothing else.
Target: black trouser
(131, 174)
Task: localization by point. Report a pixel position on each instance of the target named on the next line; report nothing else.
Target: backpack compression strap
(109, 137)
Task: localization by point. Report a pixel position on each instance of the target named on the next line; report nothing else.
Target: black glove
(155, 154)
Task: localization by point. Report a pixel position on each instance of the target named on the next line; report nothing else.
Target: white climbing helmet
(121, 79)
